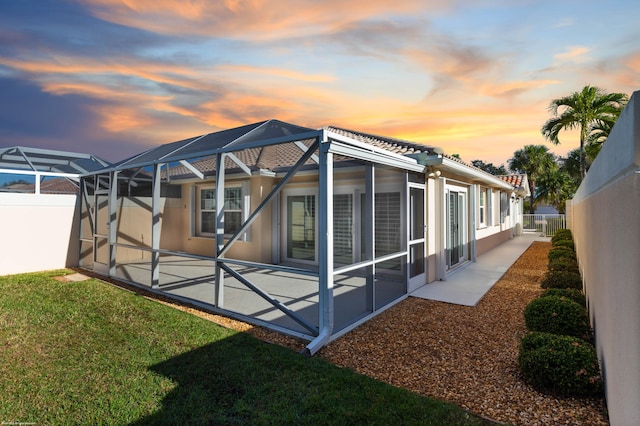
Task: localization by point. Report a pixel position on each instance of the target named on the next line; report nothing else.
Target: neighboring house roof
(48, 161)
(48, 186)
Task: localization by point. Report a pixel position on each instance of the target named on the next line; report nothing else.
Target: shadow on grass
(240, 380)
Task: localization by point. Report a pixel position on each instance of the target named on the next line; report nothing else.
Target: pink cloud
(255, 19)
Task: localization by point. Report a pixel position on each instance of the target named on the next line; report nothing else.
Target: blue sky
(114, 78)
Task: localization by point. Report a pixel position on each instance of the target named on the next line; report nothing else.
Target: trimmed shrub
(568, 293)
(561, 252)
(562, 234)
(565, 243)
(562, 279)
(557, 315)
(564, 264)
(560, 364)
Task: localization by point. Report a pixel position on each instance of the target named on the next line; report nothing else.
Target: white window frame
(490, 210)
(310, 191)
(356, 191)
(198, 210)
(482, 208)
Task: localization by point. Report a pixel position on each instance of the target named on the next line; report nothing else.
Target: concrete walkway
(467, 285)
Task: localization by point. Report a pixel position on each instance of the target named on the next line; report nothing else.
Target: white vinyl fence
(544, 224)
(603, 217)
(38, 232)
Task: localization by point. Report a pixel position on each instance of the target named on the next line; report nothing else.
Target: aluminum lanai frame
(329, 143)
(43, 163)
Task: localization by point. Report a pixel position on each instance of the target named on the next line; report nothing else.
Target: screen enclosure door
(417, 240)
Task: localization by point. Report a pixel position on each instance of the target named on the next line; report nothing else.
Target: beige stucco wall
(38, 232)
(256, 249)
(493, 240)
(134, 221)
(604, 218)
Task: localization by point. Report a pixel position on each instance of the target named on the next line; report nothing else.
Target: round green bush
(564, 264)
(561, 252)
(560, 364)
(557, 315)
(568, 293)
(562, 234)
(565, 243)
(562, 279)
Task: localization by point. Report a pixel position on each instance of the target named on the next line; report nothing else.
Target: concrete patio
(468, 284)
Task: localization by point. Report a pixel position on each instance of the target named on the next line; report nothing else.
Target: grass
(91, 353)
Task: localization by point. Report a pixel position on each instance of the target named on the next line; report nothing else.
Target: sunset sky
(475, 77)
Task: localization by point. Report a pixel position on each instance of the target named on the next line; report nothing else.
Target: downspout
(325, 248)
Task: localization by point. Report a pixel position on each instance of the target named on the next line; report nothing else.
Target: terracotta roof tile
(514, 180)
(398, 146)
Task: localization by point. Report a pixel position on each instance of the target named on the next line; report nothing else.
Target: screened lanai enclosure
(27, 170)
(308, 232)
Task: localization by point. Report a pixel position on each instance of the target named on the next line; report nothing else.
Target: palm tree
(534, 160)
(582, 110)
(598, 136)
(556, 186)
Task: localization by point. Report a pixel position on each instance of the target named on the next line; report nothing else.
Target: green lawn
(91, 353)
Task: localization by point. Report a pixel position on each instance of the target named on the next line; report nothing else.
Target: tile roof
(47, 186)
(278, 157)
(398, 146)
(271, 157)
(516, 181)
(281, 156)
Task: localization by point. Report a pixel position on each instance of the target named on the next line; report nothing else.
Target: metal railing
(544, 224)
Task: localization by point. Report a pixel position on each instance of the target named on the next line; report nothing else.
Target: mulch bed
(464, 355)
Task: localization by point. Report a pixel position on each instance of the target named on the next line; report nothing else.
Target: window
(301, 227)
(489, 207)
(349, 236)
(343, 228)
(486, 209)
(388, 223)
(233, 208)
(504, 206)
(482, 207)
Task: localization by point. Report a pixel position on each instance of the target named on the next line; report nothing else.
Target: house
(309, 232)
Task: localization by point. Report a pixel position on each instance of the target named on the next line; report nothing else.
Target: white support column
(37, 178)
(473, 214)
(325, 248)
(155, 226)
(112, 222)
(442, 224)
(219, 288)
(370, 234)
(325, 245)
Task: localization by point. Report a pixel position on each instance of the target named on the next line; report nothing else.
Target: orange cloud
(633, 61)
(255, 19)
(573, 54)
(512, 88)
(118, 119)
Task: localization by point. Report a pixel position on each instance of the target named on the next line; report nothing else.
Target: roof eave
(476, 175)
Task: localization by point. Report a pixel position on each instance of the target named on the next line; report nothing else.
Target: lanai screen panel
(25, 170)
(268, 270)
(368, 229)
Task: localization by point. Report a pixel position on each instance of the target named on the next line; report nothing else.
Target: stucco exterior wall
(493, 240)
(256, 249)
(604, 219)
(38, 232)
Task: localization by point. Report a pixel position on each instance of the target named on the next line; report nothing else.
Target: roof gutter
(445, 164)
